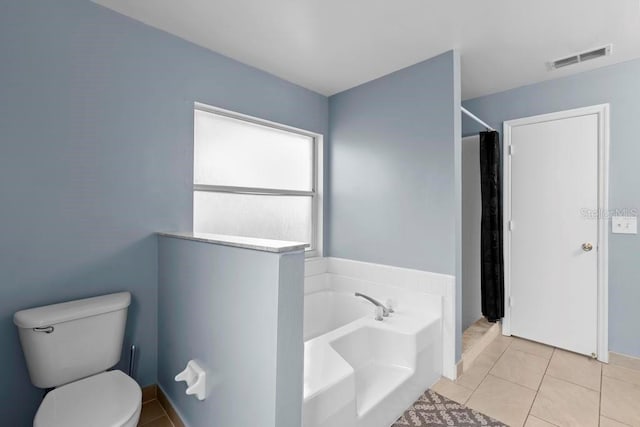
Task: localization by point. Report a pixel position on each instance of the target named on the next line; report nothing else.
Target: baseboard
(169, 409)
(623, 360)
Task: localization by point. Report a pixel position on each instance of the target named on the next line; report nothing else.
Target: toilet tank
(65, 342)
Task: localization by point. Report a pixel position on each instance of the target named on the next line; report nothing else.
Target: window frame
(315, 249)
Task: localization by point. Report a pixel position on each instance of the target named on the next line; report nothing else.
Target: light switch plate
(624, 224)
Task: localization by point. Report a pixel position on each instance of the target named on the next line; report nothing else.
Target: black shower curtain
(492, 261)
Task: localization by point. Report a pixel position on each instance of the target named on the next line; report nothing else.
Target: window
(256, 178)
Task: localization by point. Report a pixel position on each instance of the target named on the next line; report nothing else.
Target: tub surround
(329, 273)
(267, 245)
(362, 372)
(367, 372)
(239, 312)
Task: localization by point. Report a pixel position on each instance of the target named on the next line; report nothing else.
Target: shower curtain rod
(474, 117)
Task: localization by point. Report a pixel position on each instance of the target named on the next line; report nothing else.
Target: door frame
(602, 111)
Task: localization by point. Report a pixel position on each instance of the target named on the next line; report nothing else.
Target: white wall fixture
(196, 378)
(624, 225)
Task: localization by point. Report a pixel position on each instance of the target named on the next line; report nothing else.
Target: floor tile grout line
(152, 420)
(515, 383)
(534, 354)
(576, 384)
(490, 368)
(617, 421)
(546, 374)
(538, 390)
(164, 413)
(600, 416)
(156, 419)
(518, 384)
(543, 420)
(511, 382)
(600, 399)
(620, 379)
(509, 346)
(522, 385)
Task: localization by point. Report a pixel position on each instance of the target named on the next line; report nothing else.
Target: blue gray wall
(243, 324)
(471, 217)
(618, 85)
(395, 169)
(96, 140)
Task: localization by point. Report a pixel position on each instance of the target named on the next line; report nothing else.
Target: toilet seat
(109, 399)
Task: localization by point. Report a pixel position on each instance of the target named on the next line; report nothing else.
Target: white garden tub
(327, 310)
(360, 372)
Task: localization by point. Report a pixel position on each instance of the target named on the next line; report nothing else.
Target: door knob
(587, 247)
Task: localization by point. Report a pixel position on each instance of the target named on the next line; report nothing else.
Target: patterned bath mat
(432, 410)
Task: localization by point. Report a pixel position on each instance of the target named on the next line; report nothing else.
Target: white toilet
(70, 346)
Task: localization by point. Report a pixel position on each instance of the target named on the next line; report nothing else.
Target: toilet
(69, 347)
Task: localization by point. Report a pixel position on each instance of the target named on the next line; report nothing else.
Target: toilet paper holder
(195, 377)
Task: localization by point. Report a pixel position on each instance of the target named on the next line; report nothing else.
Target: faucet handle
(379, 313)
(391, 303)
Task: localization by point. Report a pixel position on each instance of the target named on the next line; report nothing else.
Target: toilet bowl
(70, 347)
(109, 399)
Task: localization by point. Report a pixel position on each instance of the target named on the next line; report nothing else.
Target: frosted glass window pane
(268, 217)
(236, 153)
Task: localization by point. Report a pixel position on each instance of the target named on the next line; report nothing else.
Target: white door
(553, 250)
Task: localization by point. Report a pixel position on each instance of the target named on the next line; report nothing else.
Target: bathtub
(360, 372)
(327, 310)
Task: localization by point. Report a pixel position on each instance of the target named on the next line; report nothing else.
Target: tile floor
(523, 383)
(153, 415)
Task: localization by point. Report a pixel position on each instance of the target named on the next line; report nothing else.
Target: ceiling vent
(581, 57)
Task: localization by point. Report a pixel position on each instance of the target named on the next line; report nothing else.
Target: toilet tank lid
(72, 310)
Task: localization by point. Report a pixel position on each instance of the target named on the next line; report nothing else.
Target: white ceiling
(332, 45)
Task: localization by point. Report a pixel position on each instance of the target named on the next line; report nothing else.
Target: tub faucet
(385, 310)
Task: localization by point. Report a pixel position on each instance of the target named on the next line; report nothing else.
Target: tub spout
(385, 310)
